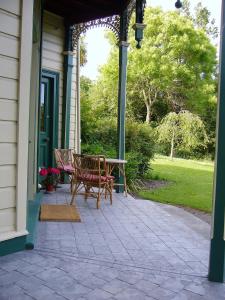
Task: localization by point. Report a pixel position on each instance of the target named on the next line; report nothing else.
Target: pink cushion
(66, 168)
(94, 178)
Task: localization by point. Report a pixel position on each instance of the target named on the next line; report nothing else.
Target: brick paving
(134, 249)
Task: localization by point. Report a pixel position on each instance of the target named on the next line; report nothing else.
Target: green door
(48, 120)
(45, 139)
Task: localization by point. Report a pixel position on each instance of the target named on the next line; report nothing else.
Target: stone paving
(134, 249)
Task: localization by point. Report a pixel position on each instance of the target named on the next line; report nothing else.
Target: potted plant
(52, 177)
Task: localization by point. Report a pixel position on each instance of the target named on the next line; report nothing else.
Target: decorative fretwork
(112, 22)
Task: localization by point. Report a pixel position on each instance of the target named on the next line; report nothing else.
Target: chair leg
(106, 192)
(71, 186)
(87, 192)
(98, 199)
(125, 180)
(74, 194)
(110, 197)
(73, 197)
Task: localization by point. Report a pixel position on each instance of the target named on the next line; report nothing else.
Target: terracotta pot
(50, 188)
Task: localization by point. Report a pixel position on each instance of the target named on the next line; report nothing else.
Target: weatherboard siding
(10, 22)
(53, 59)
(15, 62)
(52, 53)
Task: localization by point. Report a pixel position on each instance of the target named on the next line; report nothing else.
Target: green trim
(54, 76)
(217, 249)
(216, 261)
(12, 245)
(122, 96)
(39, 94)
(33, 207)
(67, 87)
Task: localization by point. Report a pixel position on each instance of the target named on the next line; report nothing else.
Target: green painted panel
(122, 107)
(217, 249)
(48, 118)
(216, 261)
(12, 245)
(33, 208)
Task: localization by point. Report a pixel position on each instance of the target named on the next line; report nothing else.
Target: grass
(190, 183)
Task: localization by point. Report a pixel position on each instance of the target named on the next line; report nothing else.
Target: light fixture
(139, 26)
(178, 4)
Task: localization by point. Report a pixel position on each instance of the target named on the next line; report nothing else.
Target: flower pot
(50, 188)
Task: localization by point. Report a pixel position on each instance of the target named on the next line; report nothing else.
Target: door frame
(54, 77)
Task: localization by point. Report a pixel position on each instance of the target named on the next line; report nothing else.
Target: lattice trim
(112, 22)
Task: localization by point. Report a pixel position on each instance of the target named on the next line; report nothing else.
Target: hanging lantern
(139, 26)
(178, 4)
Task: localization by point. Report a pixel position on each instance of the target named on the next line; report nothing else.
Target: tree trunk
(148, 114)
(148, 107)
(172, 146)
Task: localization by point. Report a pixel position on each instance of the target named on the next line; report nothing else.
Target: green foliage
(192, 131)
(174, 66)
(87, 118)
(133, 166)
(209, 118)
(184, 132)
(174, 70)
(83, 52)
(102, 139)
(201, 18)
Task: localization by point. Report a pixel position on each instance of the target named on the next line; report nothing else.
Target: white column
(23, 113)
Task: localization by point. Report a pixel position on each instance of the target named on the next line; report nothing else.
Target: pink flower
(49, 170)
(55, 171)
(43, 172)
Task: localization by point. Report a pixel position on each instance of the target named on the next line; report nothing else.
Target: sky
(98, 47)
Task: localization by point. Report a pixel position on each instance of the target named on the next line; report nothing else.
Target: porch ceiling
(79, 11)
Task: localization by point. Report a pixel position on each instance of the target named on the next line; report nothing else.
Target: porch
(134, 249)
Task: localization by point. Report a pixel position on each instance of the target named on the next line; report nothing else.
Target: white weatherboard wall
(15, 62)
(52, 53)
(53, 59)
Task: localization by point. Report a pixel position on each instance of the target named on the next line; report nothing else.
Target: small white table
(120, 164)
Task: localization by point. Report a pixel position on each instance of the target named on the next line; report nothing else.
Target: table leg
(125, 182)
(122, 170)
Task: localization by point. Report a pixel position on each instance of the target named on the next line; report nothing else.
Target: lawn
(190, 182)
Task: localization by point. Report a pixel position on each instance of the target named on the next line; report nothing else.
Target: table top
(115, 161)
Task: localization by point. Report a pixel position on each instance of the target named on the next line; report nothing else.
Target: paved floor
(134, 249)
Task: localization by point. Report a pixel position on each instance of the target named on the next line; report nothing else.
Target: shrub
(102, 139)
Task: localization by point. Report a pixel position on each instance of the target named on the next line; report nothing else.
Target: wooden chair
(64, 162)
(90, 177)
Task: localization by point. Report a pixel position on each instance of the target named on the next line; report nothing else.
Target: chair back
(63, 157)
(88, 165)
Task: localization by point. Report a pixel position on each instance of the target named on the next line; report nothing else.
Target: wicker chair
(90, 178)
(64, 162)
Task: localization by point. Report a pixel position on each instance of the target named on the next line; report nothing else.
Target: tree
(83, 52)
(172, 71)
(87, 117)
(183, 131)
(201, 18)
(175, 64)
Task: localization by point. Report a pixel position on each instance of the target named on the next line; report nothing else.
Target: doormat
(59, 213)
